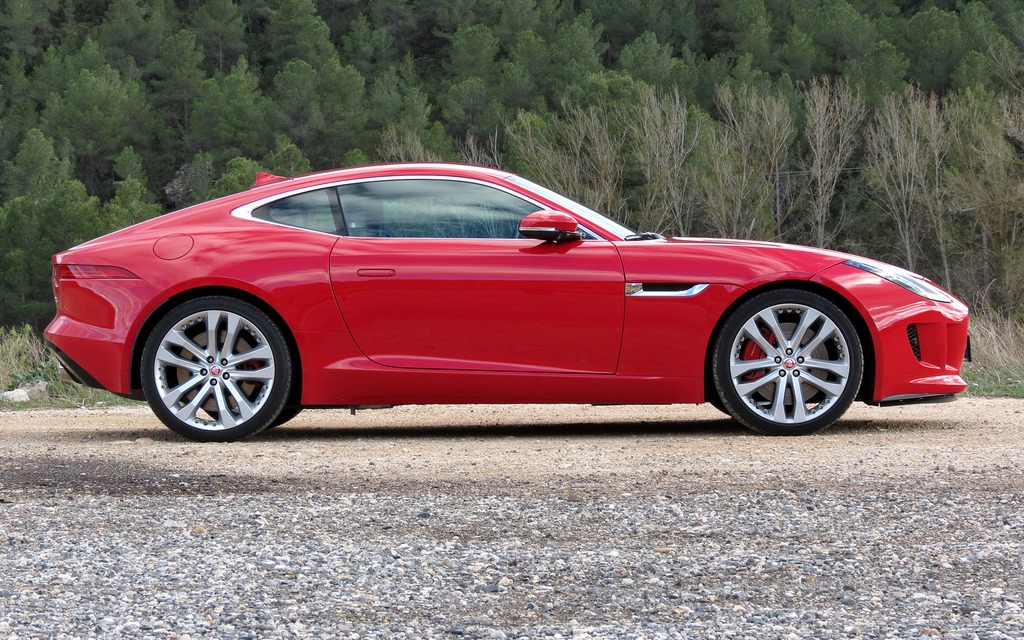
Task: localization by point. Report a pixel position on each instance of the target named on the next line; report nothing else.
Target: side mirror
(550, 226)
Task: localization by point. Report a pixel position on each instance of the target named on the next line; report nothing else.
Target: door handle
(375, 273)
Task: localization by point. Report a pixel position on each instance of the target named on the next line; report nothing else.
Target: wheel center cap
(215, 371)
(789, 363)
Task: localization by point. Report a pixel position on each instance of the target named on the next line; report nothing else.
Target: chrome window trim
(245, 211)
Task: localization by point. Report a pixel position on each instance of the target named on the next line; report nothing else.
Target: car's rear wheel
(216, 369)
(787, 362)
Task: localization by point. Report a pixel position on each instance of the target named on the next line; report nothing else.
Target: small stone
(18, 396)
(38, 391)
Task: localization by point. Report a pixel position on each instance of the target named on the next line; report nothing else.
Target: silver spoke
(224, 415)
(751, 330)
(830, 388)
(189, 411)
(246, 409)
(828, 330)
(173, 395)
(165, 357)
(179, 339)
(771, 319)
(747, 389)
(743, 367)
(262, 352)
(840, 368)
(212, 324)
(263, 374)
(234, 328)
(807, 318)
(799, 404)
(779, 402)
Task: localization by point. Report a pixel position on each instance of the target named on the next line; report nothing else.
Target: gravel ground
(515, 522)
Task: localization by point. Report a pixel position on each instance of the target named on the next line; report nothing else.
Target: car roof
(387, 170)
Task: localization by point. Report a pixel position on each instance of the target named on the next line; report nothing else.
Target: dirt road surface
(515, 522)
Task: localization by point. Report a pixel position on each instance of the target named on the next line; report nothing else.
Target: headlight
(906, 279)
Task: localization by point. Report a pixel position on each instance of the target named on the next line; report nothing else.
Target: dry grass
(21, 354)
(997, 345)
(25, 359)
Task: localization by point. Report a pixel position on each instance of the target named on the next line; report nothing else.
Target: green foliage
(231, 115)
(26, 27)
(220, 32)
(98, 115)
(112, 112)
(239, 175)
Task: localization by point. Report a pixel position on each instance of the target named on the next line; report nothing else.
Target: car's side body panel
(485, 305)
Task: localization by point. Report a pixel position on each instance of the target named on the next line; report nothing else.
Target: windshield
(603, 221)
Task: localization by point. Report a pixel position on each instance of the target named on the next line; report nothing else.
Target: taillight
(63, 272)
(90, 272)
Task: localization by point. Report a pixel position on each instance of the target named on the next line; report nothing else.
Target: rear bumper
(71, 371)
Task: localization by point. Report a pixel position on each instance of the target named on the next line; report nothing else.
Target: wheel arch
(228, 292)
(833, 296)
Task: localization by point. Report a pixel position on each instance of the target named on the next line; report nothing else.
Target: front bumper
(918, 346)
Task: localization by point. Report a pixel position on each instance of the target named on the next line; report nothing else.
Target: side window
(309, 210)
(430, 209)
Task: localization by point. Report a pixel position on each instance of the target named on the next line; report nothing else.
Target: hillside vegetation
(890, 129)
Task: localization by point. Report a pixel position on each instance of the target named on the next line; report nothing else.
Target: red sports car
(431, 283)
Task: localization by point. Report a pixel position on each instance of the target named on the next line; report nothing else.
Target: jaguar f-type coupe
(433, 283)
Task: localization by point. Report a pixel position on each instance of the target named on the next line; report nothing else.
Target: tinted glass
(310, 210)
(430, 209)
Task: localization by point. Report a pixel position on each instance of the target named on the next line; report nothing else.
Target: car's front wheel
(787, 362)
(216, 369)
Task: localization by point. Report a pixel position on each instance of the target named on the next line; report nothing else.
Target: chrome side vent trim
(664, 289)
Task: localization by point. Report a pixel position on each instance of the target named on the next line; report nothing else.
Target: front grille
(915, 341)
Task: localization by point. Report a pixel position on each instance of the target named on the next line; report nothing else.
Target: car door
(433, 274)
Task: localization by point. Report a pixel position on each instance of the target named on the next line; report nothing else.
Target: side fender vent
(915, 341)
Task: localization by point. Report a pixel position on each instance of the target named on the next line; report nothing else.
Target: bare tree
(1013, 115)
(485, 153)
(738, 178)
(933, 186)
(1006, 58)
(580, 155)
(835, 111)
(660, 141)
(404, 146)
(895, 156)
(988, 186)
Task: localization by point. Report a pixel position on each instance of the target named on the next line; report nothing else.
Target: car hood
(743, 263)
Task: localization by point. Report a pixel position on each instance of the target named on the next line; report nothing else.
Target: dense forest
(890, 129)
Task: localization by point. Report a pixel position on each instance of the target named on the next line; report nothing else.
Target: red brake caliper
(753, 352)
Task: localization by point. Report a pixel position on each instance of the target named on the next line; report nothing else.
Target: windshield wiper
(645, 235)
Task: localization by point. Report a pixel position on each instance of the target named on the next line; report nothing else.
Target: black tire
(787, 362)
(286, 414)
(238, 388)
(716, 402)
